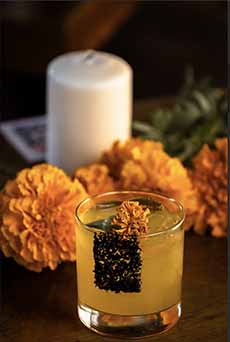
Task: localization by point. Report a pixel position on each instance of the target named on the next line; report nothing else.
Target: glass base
(128, 326)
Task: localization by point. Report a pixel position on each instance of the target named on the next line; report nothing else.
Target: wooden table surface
(42, 307)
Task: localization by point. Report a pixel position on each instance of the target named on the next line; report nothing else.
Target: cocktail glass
(130, 313)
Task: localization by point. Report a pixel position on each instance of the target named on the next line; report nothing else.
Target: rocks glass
(129, 287)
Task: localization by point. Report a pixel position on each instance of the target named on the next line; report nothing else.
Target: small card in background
(27, 135)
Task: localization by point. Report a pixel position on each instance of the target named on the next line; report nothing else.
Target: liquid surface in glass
(161, 271)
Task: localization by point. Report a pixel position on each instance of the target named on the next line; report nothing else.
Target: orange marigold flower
(95, 178)
(210, 177)
(120, 152)
(37, 224)
(131, 218)
(143, 165)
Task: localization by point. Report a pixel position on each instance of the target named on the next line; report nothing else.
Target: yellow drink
(161, 262)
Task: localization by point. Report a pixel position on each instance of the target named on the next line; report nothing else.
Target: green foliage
(197, 117)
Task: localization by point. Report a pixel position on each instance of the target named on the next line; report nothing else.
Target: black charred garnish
(117, 262)
(117, 252)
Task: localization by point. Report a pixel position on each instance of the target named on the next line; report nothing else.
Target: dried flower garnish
(210, 177)
(117, 254)
(95, 178)
(117, 262)
(37, 225)
(131, 218)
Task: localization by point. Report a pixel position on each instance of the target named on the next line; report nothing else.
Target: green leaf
(161, 119)
(104, 224)
(198, 117)
(141, 126)
(148, 131)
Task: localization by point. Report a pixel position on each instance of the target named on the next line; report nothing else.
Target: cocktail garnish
(104, 224)
(117, 262)
(111, 223)
(131, 218)
(117, 252)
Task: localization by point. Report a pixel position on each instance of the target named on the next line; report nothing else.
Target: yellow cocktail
(113, 297)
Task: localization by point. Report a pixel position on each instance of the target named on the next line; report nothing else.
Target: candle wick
(89, 57)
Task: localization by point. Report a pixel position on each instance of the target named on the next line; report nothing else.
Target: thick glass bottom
(128, 326)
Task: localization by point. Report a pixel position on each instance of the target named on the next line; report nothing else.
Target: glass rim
(173, 227)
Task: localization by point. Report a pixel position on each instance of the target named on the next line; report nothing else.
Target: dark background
(158, 40)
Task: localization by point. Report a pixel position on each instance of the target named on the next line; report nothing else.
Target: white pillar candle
(89, 106)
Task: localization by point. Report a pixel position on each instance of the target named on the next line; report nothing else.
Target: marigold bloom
(37, 224)
(144, 165)
(131, 218)
(95, 178)
(210, 177)
(121, 152)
